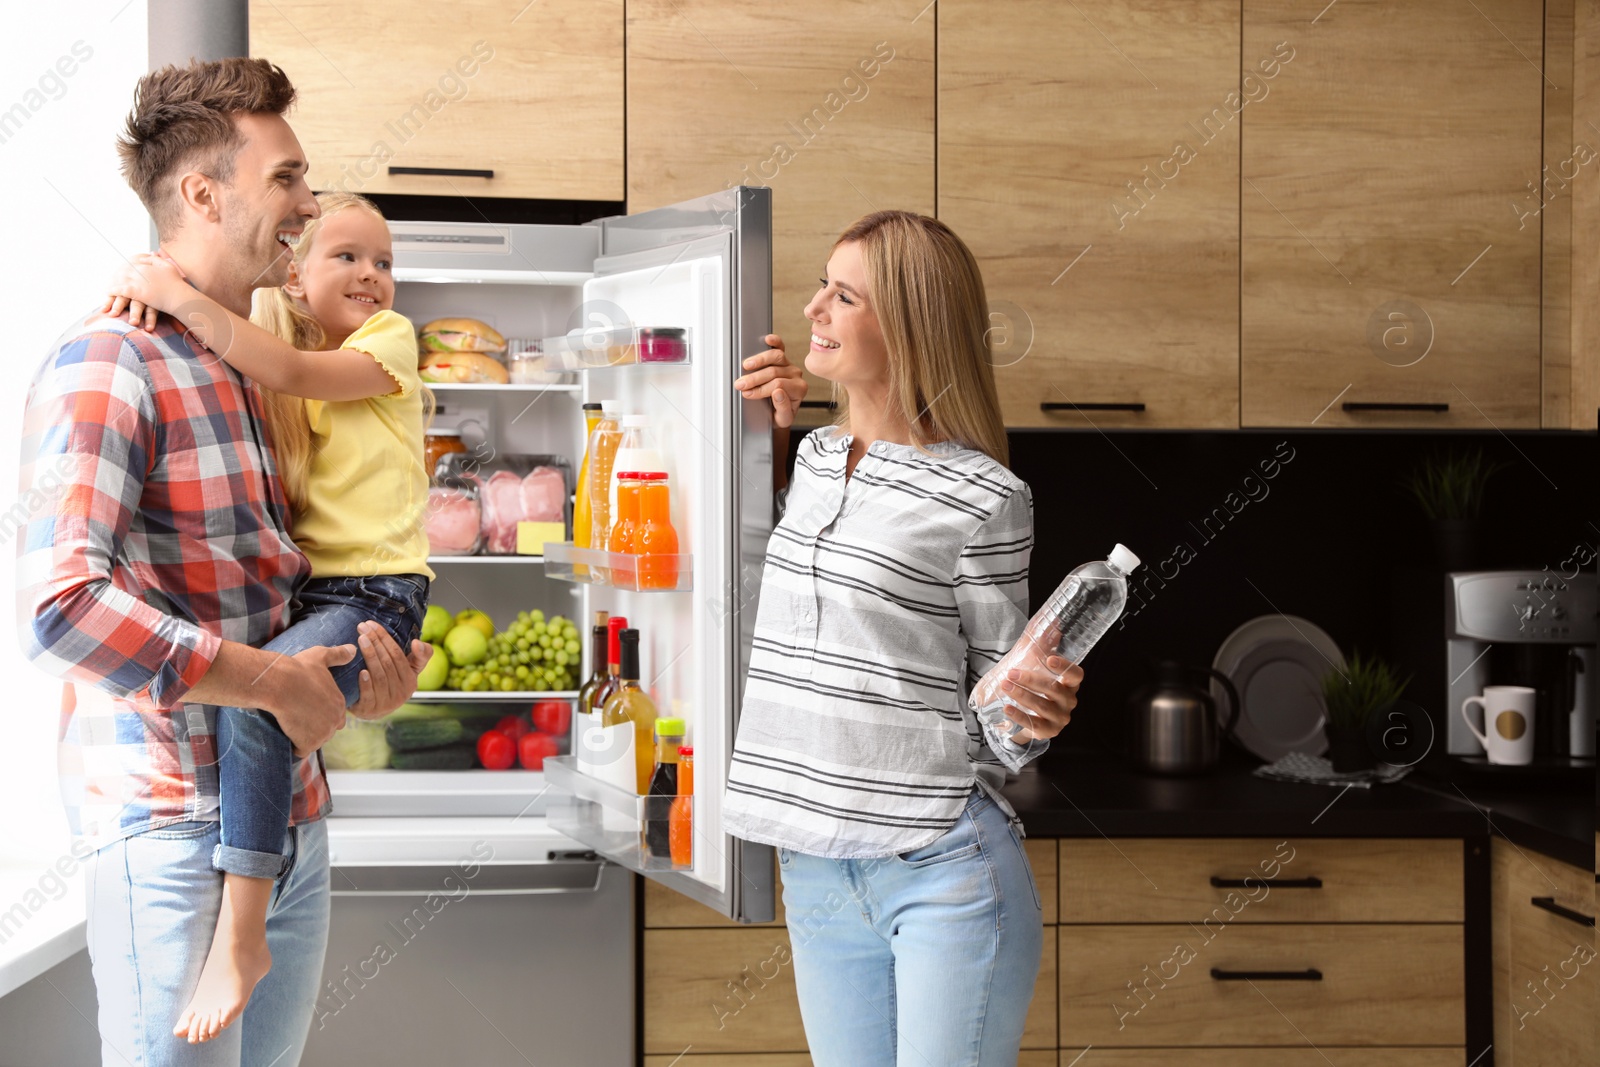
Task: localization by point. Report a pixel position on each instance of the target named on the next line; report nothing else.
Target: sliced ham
(544, 495)
(452, 522)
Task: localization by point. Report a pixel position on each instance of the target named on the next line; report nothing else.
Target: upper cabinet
(1390, 226)
(485, 97)
(1089, 155)
(833, 109)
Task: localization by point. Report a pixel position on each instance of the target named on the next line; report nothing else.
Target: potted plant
(1449, 488)
(1365, 684)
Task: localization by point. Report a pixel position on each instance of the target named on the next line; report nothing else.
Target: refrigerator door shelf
(513, 794)
(496, 387)
(456, 696)
(619, 570)
(604, 818)
(622, 346)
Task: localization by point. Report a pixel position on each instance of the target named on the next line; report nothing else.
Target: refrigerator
(582, 293)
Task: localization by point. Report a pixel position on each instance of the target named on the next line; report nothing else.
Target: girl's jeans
(254, 756)
(925, 958)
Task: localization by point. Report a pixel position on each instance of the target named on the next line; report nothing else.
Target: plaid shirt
(154, 527)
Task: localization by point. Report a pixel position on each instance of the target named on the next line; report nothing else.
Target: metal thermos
(1175, 722)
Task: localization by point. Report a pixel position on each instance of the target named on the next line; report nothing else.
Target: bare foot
(239, 958)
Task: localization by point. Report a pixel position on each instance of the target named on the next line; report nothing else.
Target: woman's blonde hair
(281, 314)
(928, 294)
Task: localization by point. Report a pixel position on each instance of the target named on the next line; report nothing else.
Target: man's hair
(182, 119)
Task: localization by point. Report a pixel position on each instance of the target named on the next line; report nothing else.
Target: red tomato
(534, 747)
(552, 716)
(513, 726)
(496, 750)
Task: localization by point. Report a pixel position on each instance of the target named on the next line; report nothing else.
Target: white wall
(70, 221)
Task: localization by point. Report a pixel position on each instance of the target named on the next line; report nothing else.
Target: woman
(896, 578)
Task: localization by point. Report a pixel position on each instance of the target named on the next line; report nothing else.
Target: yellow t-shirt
(366, 491)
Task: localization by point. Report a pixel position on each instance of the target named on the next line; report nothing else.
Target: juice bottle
(631, 704)
(581, 515)
(656, 541)
(680, 823)
(625, 530)
(603, 445)
(636, 452)
(663, 787)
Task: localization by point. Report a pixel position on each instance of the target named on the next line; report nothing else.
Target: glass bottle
(598, 667)
(612, 660)
(655, 541)
(663, 787)
(631, 704)
(624, 530)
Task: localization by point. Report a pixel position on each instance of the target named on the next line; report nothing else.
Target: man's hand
(304, 698)
(149, 284)
(1047, 696)
(390, 678)
(771, 374)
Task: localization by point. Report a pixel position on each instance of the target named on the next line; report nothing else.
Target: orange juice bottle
(625, 530)
(656, 541)
(602, 455)
(680, 823)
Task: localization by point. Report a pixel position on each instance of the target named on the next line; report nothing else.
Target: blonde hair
(281, 314)
(928, 294)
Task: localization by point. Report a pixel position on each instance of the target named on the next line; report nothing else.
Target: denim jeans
(153, 901)
(925, 959)
(254, 757)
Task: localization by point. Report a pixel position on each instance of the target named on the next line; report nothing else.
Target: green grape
(540, 686)
(508, 685)
(522, 616)
(523, 674)
(545, 641)
(573, 648)
(522, 644)
(561, 659)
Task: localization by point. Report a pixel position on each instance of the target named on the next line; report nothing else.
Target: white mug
(1507, 735)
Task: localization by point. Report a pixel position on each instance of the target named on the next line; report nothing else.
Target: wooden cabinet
(1546, 989)
(1384, 258)
(529, 91)
(831, 108)
(1076, 160)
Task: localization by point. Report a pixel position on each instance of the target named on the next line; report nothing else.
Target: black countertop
(1088, 793)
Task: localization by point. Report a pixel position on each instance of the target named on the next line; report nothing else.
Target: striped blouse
(884, 598)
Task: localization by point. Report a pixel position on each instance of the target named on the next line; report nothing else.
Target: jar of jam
(437, 444)
(663, 344)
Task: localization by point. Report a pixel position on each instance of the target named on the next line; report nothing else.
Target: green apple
(474, 617)
(466, 644)
(436, 623)
(433, 675)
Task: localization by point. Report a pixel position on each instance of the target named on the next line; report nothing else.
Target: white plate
(1277, 663)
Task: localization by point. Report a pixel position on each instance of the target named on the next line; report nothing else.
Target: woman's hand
(148, 285)
(771, 374)
(1046, 697)
(390, 678)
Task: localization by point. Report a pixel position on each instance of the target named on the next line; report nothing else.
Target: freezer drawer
(518, 964)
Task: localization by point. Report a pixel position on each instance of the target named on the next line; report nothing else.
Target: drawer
(1261, 1057)
(1546, 997)
(1382, 984)
(801, 1059)
(720, 991)
(1218, 881)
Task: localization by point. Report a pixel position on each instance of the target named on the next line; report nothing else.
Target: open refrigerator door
(678, 297)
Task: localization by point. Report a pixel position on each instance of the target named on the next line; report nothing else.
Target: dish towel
(1299, 767)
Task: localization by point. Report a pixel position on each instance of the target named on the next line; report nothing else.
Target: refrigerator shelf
(603, 817)
(434, 560)
(455, 696)
(615, 570)
(494, 387)
(625, 346)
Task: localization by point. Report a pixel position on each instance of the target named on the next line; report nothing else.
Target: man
(162, 558)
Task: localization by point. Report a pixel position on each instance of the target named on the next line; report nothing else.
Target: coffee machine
(1528, 628)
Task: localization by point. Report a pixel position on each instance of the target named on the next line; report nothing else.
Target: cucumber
(412, 734)
(447, 758)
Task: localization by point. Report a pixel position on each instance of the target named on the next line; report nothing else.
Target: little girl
(350, 454)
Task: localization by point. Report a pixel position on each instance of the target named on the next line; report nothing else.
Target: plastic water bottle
(1077, 615)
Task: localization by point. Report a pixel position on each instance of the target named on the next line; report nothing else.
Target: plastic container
(525, 364)
(1076, 616)
(454, 518)
(602, 456)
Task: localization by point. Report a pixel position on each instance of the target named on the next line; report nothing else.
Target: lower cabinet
(1546, 988)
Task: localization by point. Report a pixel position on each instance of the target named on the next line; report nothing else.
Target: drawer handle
(1549, 904)
(1310, 974)
(1053, 406)
(1372, 405)
(443, 172)
(1274, 883)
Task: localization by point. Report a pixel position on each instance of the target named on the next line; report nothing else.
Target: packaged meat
(544, 495)
(511, 489)
(454, 520)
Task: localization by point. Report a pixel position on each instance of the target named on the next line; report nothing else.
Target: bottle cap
(614, 627)
(594, 405)
(648, 476)
(630, 475)
(611, 407)
(684, 751)
(1123, 559)
(669, 727)
(635, 421)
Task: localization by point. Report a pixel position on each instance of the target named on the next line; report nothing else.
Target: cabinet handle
(828, 404)
(1370, 405)
(1549, 904)
(1055, 406)
(443, 172)
(1275, 883)
(1310, 974)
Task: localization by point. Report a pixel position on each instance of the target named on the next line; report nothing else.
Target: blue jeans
(153, 901)
(254, 757)
(925, 959)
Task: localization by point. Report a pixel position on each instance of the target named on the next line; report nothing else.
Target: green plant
(1366, 684)
(1450, 486)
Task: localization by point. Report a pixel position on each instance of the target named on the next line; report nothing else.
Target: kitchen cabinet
(526, 98)
(1584, 275)
(833, 109)
(1078, 159)
(1545, 984)
(1384, 260)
